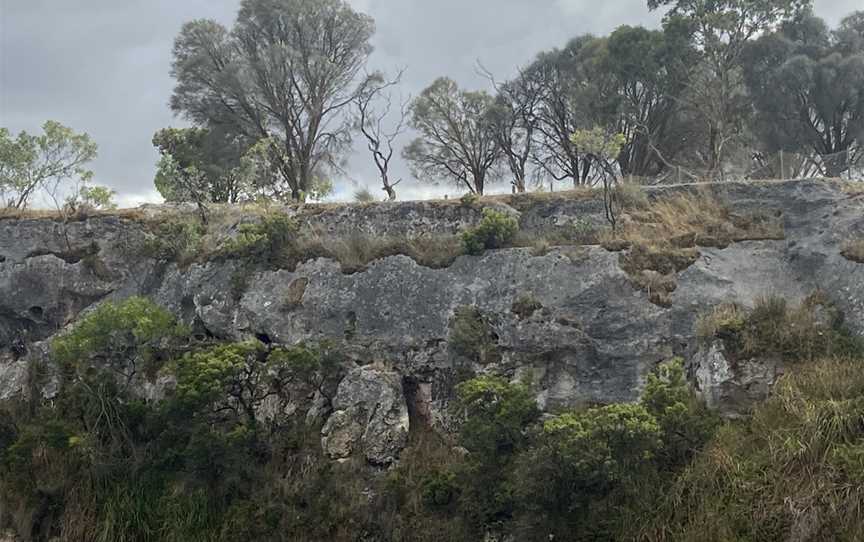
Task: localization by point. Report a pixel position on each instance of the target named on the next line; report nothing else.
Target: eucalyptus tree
(53, 163)
(199, 165)
(457, 139)
(514, 119)
(562, 78)
(808, 87)
(286, 72)
(716, 94)
(648, 72)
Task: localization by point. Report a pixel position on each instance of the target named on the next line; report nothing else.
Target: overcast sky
(102, 66)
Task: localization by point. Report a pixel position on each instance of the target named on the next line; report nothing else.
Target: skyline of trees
(716, 93)
(723, 90)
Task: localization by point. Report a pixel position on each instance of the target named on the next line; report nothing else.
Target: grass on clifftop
(663, 236)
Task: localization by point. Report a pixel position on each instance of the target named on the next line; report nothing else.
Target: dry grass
(852, 188)
(853, 250)
(661, 237)
(695, 219)
(356, 252)
(805, 332)
(8, 213)
(795, 471)
(658, 286)
(721, 321)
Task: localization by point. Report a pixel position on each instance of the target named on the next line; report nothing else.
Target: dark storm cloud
(102, 66)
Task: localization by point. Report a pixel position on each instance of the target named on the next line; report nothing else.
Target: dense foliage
(495, 230)
(723, 89)
(52, 165)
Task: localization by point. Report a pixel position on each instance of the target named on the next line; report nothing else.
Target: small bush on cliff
(177, 240)
(685, 422)
(580, 459)
(811, 330)
(581, 465)
(495, 230)
(472, 336)
(496, 415)
(269, 241)
(120, 336)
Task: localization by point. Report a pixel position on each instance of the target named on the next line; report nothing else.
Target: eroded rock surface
(733, 387)
(370, 416)
(591, 336)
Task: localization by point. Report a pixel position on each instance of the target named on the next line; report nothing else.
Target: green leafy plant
(271, 240)
(118, 336)
(495, 230)
(812, 330)
(472, 336)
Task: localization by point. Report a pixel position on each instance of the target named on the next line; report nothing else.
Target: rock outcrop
(590, 335)
(370, 415)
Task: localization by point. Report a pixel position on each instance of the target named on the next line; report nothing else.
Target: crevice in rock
(350, 326)
(71, 256)
(418, 399)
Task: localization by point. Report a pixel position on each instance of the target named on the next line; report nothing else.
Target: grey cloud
(102, 66)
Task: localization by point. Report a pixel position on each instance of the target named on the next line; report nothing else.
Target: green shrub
(469, 199)
(496, 414)
(472, 336)
(439, 489)
(495, 230)
(174, 241)
(270, 241)
(685, 422)
(812, 330)
(118, 336)
(580, 457)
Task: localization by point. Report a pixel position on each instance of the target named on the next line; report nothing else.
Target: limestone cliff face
(589, 336)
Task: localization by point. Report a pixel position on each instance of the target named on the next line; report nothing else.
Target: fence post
(678, 169)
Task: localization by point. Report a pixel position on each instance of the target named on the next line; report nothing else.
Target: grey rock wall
(593, 337)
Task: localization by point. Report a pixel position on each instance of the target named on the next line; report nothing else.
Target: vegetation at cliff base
(143, 432)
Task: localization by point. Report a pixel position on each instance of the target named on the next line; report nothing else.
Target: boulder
(732, 387)
(370, 417)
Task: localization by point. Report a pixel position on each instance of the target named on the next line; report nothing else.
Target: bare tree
(456, 138)
(559, 75)
(514, 122)
(374, 106)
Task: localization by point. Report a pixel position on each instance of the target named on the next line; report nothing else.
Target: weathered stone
(733, 387)
(594, 340)
(370, 417)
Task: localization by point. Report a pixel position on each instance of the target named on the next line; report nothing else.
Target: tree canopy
(54, 163)
(456, 136)
(285, 72)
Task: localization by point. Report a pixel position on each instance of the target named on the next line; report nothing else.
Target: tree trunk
(391, 192)
(519, 185)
